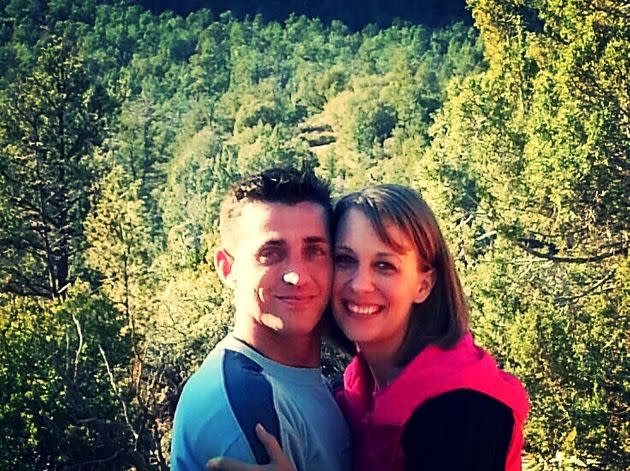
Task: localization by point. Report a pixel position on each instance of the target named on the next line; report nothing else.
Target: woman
(419, 394)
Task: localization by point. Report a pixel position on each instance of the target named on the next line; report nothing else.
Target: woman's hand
(279, 461)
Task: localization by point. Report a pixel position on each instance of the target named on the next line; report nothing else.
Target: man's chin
(272, 322)
(288, 328)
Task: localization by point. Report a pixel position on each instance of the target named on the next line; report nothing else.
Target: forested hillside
(355, 14)
(121, 128)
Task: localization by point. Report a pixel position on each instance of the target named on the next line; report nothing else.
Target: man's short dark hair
(286, 185)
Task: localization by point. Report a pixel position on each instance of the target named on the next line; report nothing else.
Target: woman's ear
(223, 263)
(425, 285)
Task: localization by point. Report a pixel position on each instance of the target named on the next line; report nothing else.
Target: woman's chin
(356, 334)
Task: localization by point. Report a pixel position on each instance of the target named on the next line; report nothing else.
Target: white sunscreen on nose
(291, 278)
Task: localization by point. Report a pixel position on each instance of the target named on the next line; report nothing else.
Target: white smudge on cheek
(271, 321)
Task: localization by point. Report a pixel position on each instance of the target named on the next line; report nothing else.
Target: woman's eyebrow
(343, 247)
(392, 254)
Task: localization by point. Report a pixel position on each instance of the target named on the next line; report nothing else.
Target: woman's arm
(462, 429)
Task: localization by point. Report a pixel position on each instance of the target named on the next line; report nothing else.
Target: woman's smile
(362, 310)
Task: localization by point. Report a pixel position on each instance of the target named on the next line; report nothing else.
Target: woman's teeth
(363, 309)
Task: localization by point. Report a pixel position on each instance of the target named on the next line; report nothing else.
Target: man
(276, 257)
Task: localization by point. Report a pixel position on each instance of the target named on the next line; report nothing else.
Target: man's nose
(291, 278)
(295, 273)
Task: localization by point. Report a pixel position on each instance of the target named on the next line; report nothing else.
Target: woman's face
(375, 286)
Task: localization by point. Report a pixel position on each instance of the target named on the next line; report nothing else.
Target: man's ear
(223, 263)
(425, 285)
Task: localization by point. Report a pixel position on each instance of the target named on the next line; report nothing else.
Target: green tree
(121, 250)
(52, 120)
(526, 168)
(197, 177)
(70, 409)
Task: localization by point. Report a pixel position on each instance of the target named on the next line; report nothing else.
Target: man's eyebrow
(274, 242)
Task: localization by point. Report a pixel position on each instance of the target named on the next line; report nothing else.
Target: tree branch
(623, 250)
(79, 348)
(117, 393)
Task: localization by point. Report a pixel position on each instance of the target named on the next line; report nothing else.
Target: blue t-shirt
(234, 389)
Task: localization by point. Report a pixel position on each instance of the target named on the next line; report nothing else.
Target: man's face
(274, 240)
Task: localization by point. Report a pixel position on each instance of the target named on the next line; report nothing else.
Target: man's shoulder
(204, 381)
(224, 372)
(222, 402)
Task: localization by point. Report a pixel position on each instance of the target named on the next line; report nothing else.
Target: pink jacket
(377, 429)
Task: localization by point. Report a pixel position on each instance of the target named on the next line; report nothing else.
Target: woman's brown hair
(443, 317)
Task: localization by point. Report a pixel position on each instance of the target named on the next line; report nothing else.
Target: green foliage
(52, 119)
(121, 130)
(526, 166)
(198, 175)
(63, 364)
(119, 243)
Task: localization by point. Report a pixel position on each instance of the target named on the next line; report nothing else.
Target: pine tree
(51, 121)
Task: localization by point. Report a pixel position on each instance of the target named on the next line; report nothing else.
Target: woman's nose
(361, 281)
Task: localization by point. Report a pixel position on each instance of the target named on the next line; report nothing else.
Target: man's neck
(301, 351)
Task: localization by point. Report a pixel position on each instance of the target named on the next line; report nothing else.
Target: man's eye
(317, 251)
(269, 255)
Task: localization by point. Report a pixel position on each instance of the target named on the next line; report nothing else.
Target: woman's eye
(385, 266)
(342, 260)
